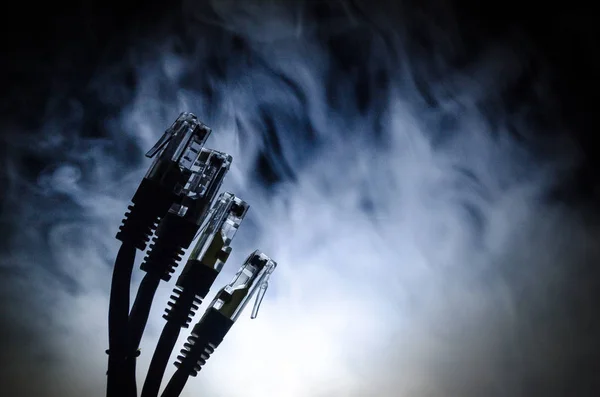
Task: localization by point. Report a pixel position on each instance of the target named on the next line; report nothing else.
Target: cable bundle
(176, 202)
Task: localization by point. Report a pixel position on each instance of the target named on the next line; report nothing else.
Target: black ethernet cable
(174, 156)
(202, 268)
(220, 316)
(173, 236)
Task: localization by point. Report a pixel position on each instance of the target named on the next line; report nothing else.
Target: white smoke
(412, 263)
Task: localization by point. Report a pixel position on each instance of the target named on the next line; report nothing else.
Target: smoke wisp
(405, 198)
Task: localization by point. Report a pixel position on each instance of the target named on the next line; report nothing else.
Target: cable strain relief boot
(192, 286)
(204, 339)
(181, 307)
(173, 236)
(150, 203)
(197, 278)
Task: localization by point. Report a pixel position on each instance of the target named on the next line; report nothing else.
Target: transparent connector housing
(250, 278)
(177, 151)
(212, 247)
(209, 170)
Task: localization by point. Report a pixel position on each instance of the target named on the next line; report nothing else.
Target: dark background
(55, 51)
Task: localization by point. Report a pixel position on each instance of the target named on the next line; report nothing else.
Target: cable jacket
(160, 359)
(138, 318)
(176, 384)
(118, 313)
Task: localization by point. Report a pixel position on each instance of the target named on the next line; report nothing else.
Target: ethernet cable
(252, 278)
(174, 157)
(173, 236)
(202, 268)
